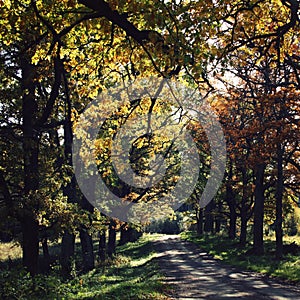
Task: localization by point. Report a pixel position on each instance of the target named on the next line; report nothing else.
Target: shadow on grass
(131, 275)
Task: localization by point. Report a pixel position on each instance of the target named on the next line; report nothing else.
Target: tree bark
(87, 250)
(67, 254)
(120, 20)
(199, 216)
(125, 234)
(244, 221)
(218, 217)
(46, 254)
(232, 221)
(30, 244)
(102, 246)
(258, 232)
(244, 209)
(87, 247)
(230, 200)
(111, 245)
(279, 196)
(31, 182)
(209, 220)
(68, 241)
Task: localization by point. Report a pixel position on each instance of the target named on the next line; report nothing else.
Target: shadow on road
(196, 275)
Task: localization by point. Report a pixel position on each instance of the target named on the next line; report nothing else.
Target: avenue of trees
(58, 56)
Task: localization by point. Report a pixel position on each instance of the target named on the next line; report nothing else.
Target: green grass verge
(133, 274)
(229, 252)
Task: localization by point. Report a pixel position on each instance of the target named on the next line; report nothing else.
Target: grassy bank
(229, 252)
(132, 275)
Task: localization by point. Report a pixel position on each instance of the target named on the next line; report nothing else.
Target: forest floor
(194, 274)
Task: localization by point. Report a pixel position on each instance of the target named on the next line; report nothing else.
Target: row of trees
(57, 56)
(260, 116)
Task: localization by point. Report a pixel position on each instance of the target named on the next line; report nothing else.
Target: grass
(133, 274)
(228, 251)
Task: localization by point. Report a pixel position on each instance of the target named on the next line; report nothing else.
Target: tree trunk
(67, 254)
(87, 247)
(230, 200)
(68, 241)
(244, 210)
(232, 222)
(125, 234)
(209, 219)
(30, 244)
(111, 245)
(102, 246)
(45, 249)
(243, 234)
(87, 250)
(199, 216)
(46, 255)
(258, 232)
(31, 181)
(279, 196)
(218, 217)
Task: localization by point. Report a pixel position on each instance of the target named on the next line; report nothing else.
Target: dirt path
(196, 275)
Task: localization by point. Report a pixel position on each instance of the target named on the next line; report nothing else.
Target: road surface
(196, 275)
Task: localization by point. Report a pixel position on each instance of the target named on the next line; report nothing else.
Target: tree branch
(119, 19)
(54, 93)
